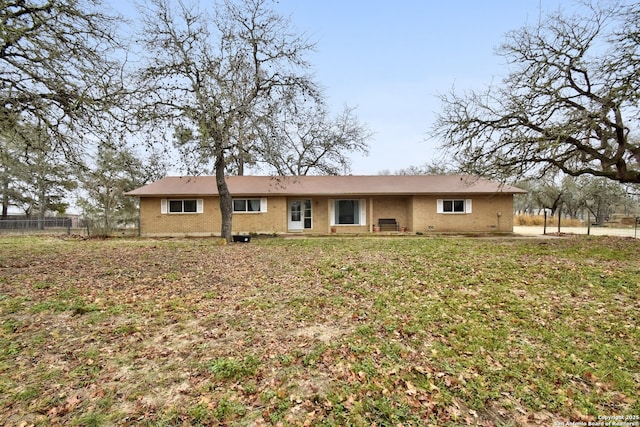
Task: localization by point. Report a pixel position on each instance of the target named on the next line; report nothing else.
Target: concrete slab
(595, 231)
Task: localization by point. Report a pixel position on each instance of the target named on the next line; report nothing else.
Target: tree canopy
(58, 81)
(228, 83)
(54, 64)
(302, 139)
(219, 76)
(569, 101)
(116, 170)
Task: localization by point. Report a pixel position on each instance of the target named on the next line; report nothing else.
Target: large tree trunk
(226, 207)
(42, 212)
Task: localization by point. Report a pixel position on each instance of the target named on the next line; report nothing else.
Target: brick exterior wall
(155, 223)
(272, 221)
(391, 207)
(483, 218)
(417, 213)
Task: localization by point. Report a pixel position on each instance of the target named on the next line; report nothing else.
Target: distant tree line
(583, 198)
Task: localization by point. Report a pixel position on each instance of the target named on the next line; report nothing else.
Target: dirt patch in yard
(326, 333)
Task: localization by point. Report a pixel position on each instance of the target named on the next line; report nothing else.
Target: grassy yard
(321, 331)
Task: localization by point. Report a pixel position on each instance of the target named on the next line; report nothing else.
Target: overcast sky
(390, 60)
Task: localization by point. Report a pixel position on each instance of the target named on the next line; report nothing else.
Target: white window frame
(467, 207)
(362, 205)
(263, 205)
(164, 206)
(307, 203)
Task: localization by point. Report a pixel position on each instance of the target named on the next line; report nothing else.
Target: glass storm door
(299, 215)
(295, 215)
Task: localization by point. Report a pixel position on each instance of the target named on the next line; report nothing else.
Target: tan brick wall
(391, 207)
(483, 218)
(155, 223)
(208, 223)
(417, 213)
(272, 221)
(320, 215)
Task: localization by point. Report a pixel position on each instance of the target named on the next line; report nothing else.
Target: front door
(295, 215)
(299, 215)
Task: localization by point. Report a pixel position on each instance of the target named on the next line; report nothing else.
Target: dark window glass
(453, 206)
(240, 205)
(253, 205)
(175, 205)
(347, 212)
(190, 206)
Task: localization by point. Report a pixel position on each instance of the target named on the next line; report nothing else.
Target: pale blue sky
(391, 59)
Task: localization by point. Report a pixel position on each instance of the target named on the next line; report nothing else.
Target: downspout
(139, 217)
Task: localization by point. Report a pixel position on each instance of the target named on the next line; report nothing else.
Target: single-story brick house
(189, 205)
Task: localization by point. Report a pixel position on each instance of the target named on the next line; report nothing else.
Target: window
(249, 205)
(177, 206)
(453, 206)
(349, 212)
(296, 211)
(307, 213)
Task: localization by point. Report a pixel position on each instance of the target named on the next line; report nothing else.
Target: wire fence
(551, 230)
(30, 226)
(67, 226)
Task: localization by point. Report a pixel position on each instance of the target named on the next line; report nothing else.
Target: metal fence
(551, 230)
(25, 226)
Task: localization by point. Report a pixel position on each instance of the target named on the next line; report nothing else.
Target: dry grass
(538, 220)
(327, 331)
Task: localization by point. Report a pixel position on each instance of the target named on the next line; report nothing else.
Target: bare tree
(55, 69)
(550, 196)
(433, 167)
(208, 74)
(57, 79)
(571, 196)
(9, 167)
(569, 102)
(302, 139)
(115, 170)
(601, 197)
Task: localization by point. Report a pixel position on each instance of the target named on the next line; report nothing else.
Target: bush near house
(319, 331)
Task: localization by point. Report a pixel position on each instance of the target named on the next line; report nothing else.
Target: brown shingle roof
(325, 186)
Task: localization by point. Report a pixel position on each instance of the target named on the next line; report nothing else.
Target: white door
(295, 215)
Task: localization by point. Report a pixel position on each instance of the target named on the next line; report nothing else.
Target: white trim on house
(362, 212)
(262, 205)
(164, 206)
(467, 208)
